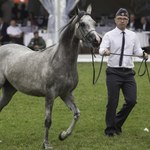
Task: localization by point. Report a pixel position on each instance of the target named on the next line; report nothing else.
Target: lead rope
(95, 79)
(145, 69)
(139, 70)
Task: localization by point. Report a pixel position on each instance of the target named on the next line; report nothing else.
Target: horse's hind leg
(70, 103)
(7, 92)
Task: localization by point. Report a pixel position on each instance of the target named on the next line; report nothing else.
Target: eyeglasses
(122, 19)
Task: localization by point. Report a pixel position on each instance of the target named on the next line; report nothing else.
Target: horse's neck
(70, 49)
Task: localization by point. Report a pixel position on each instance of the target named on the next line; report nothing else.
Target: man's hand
(106, 52)
(145, 55)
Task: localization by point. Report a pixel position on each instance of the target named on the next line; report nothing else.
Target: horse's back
(22, 67)
(11, 54)
(13, 49)
(14, 53)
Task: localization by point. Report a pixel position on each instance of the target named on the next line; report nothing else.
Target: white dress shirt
(112, 41)
(144, 27)
(14, 30)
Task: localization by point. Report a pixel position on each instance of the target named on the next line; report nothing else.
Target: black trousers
(119, 79)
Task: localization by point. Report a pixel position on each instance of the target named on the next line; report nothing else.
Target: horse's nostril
(94, 40)
(97, 40)
(96, 43)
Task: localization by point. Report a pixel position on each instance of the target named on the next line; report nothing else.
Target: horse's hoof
(62, 136)
(47, 147)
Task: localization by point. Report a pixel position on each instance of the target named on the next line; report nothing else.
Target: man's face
(143, 20)
(36, 35)
(121, 22)
(13, 23)
(132, 17)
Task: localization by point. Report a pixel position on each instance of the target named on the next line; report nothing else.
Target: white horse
(49, 73)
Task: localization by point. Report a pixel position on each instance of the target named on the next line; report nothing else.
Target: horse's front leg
(49, 101)
(70, 103)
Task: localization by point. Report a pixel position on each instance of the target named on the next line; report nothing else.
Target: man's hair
(36, 32)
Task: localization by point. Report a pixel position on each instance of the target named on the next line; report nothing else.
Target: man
(15, 33)
(133, 24)
(145, 25)
(119, 44)
(4, 38)
(37, 42)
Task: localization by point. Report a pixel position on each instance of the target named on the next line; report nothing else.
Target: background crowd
(12, 31)
(12, 27)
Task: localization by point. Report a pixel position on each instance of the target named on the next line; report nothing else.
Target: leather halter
(83, 34)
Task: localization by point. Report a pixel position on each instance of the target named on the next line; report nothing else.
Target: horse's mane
(63, 28)
(47, 48)
(68, 30)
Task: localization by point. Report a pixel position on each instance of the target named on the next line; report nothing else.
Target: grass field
(21, 122)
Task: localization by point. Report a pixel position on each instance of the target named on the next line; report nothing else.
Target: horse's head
(85, 30)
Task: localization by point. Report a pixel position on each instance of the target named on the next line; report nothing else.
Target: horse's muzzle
(94, 39)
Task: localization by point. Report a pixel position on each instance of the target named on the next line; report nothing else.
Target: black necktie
(122, 49)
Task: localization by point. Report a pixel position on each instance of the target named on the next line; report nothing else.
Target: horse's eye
(82, 24)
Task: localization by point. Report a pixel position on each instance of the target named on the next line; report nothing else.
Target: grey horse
(49, 73)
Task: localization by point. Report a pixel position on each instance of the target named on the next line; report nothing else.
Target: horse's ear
(89, 9)
(78, 10)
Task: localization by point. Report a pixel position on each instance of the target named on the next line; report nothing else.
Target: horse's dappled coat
(49, 73)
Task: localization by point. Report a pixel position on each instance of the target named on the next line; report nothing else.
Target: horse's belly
(30, 90)
(33, 92)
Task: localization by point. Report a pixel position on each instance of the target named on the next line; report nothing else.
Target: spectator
(133, 23)
(37, 42)
(6, 9)
(15, 33)
(4, 38)
(15, 11)
(145, 25)
(23, 14)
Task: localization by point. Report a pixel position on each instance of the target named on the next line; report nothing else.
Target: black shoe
(110, 134)
(118, 131)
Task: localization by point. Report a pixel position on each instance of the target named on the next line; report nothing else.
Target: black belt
(121, 68)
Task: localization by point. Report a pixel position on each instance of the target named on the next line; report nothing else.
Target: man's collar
(120, 31)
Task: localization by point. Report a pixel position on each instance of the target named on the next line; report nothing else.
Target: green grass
(22, 128)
